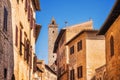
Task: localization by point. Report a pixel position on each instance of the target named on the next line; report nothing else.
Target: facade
(6, 38)
(62, 50)
(101, 73)
(86, 53)
(111, 30)
(44, 72)
(49, 73)
(25, 33)
(39, 70)
(52, 35)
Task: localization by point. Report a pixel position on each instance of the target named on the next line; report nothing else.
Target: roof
(111, 18)
(58, 39)
(37, 31)
(39, 69)
(87, 23)
(103, 66)
(81, 32)
(48, 68)
(37, 4)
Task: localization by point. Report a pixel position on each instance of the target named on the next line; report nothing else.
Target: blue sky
(72, 11)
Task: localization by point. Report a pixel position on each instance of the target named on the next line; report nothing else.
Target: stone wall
(113, 62)
(6, 42)
(52, 35)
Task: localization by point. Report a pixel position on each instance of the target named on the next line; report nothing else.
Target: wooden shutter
(31, 18)
(20, 42)
(79, 45)
(72, 74)
(26, 5)
(29, 12)
(35, 63)
(34, 30)
(16, 37)
(31, 57)
(72, 50)
(79, 72)
(25, 49)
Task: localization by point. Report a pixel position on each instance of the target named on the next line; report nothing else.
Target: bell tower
(52, 35)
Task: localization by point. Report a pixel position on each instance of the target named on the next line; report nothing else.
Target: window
(112, 46)
(30, 53)
(72, 50)
(29, 11)
(34, 29)
(25, 49)
(17, 1)
(79, 72)
(35, 63)
(16, 37)
(72, 74)
(5, 73)
(20, 42)
(26, 5)
(5, 19)
(79, 45)
(31, 19)
(53, 22)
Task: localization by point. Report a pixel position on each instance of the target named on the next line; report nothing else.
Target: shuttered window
(34, 30)
(26, 5)
(29, 12)
(72, 76)
(25, 49)
(34, 64)
(79, 72)
(16, 37)
(20, 42)
(72, 50)
(28, 51)
(31, 18)
(31, 57)
(79, 45)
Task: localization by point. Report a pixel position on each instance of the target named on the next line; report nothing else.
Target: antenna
(66, 23)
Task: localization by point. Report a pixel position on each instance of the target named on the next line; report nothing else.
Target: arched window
(111, 46)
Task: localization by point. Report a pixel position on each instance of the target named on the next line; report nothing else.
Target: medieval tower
(52, 35)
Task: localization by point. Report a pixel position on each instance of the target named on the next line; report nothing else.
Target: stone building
(52, 35)
(101, 73)
(25, 33)
(111, 30)
(44, 72)
(6, 44)
(39, 70)
(86, 53)
(62, 50)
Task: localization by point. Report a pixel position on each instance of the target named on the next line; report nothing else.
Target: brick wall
(113, 62)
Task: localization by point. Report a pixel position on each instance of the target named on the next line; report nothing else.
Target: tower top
(53, 23)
